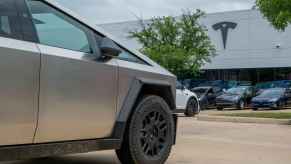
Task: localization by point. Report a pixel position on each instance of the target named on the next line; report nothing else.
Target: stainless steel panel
(78, 96)
(19, 70)
(128, 71)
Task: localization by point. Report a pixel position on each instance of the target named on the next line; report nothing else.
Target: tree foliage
(278, 12)
(179, 44)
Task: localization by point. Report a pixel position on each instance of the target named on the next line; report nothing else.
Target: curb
(244, 120)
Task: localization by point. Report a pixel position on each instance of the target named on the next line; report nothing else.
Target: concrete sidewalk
(214, 115)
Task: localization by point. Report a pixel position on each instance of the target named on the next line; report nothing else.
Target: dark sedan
(237, 97)
(207, 96)
(260, 87)
(275, 98)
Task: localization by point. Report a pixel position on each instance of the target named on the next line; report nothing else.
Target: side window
(124, 55)
(8, 20)
(127, 56)
(179, 85)
(57, 29)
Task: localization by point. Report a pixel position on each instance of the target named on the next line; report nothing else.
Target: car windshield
(178, 85)
(272, 93)
(245, 83)
(206, 84)
(281, 84)
(212, 83)
(235, 91)
(231, 84)
(264, 85)
(200, 91)
(275, 84)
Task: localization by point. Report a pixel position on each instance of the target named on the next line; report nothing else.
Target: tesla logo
(224, 27)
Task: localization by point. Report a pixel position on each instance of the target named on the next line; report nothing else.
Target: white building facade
(248, 47)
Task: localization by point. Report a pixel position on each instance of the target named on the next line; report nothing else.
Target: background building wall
(252, 44)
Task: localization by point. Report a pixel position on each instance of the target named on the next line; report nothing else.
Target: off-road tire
(151, 124)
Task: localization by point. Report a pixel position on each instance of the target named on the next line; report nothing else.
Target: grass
(279, 115)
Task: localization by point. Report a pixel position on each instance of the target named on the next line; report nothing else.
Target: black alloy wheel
(192, 108)
(150, 133)
(153, 134)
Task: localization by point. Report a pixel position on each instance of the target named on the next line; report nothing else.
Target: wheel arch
(162, 91)
(138, 89)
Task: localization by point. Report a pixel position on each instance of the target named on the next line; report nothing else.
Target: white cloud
(105, 11)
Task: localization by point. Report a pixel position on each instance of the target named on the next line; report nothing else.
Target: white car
(186, 101)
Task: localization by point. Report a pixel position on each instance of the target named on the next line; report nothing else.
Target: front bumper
(263, 104)
(226, 104)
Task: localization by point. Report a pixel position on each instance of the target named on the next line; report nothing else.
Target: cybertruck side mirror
(109, 48)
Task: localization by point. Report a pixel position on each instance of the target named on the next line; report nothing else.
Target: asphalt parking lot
(202, 142)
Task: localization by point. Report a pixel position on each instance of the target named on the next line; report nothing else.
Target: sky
(109, 11)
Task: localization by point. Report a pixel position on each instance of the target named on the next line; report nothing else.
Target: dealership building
(248, 47)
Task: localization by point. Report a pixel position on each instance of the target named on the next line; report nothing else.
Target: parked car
(192, 83)
(187, 102)
(218, 85)
(260, 87)
(233, 84)
(275, 98)
(237, 97)
(224, 85)
(282, 84)
(69, 87)
(206, 96)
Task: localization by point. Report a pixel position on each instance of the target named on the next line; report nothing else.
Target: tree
(179, 44)
(278, 12)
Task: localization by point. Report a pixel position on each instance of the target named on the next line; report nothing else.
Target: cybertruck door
(19, 70)
(77, 92)
(77, 97)
(19, 66)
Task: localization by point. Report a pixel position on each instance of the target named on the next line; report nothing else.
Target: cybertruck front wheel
(150, 133)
